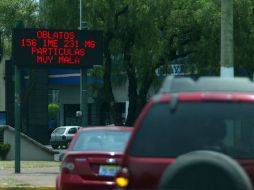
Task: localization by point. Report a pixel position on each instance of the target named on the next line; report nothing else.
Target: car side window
(72, 131)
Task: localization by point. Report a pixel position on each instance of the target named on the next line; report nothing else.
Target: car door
(71, 132)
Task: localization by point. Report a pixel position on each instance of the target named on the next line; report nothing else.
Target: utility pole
(83, 84)
(227, 41)
(17, 119)
(17, 111)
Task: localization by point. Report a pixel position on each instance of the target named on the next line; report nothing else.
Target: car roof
(109, 127)
(173, 84)
(69, 126)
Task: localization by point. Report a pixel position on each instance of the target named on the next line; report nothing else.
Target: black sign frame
(51, 48)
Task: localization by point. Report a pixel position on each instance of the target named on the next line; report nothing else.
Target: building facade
(42, 87)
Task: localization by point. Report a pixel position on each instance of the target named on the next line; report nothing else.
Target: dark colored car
(210, 114)
(93, 158)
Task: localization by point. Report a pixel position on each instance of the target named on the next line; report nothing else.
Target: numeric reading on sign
(71, 43)
(26, 42)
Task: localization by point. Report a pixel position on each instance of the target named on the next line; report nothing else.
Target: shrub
(53, 110)
(4, 149)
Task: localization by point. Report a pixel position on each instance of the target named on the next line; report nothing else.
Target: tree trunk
(109, 96)
(144, 89)
(132, 90)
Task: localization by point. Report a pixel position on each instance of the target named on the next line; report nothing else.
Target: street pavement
(29, 178)
(36, 178)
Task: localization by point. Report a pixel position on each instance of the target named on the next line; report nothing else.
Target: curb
(27, 188)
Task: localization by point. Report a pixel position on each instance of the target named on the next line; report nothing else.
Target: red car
(92, 158)
(210, 114)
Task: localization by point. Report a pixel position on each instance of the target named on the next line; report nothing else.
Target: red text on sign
(90, 44)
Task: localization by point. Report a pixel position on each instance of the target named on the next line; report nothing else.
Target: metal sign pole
(83, 85)
(17, 119)
(17, 108)
(83, 97)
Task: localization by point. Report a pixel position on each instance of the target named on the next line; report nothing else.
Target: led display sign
(57, 48)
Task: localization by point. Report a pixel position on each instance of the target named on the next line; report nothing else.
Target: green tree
(141, 42)
(150, 35)
(104, 15)
(193, 29)
(100, 15)
(57, 14)
(243, 38)
(13, 10)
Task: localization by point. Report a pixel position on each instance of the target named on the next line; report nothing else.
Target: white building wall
(29, 148)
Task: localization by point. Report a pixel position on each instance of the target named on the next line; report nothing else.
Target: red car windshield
(101, 140)
(221, 126)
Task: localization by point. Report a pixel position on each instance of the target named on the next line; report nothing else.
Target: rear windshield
(59, 131)
(101, 140)
(224, 127)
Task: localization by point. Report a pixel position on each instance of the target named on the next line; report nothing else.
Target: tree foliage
(243, 37)
(62, 14)
(12, 11)
(144, 38)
